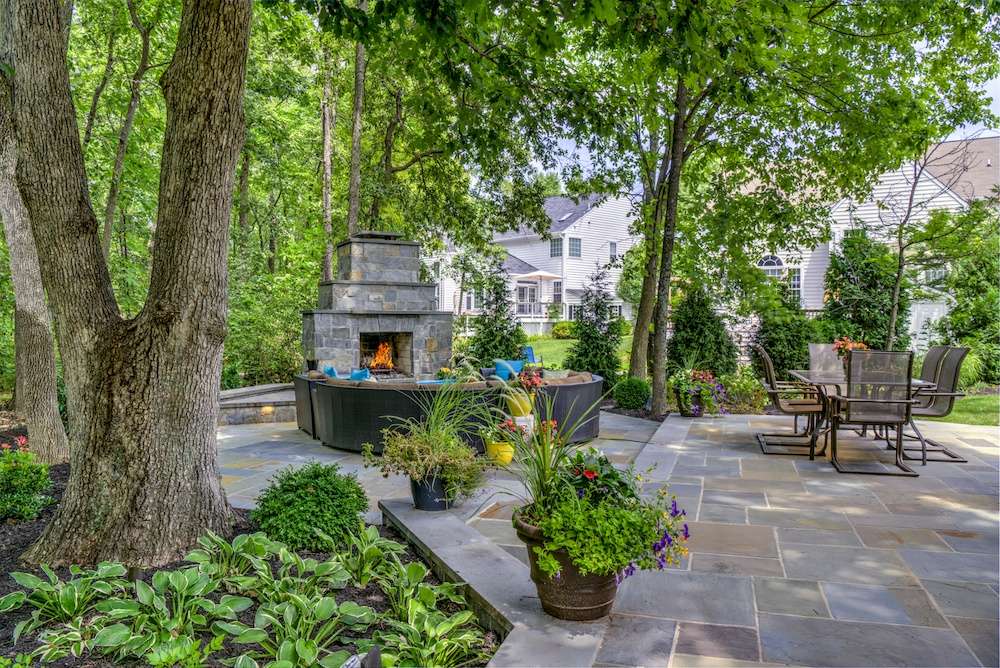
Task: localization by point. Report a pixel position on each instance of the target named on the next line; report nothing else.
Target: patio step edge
(498, 588)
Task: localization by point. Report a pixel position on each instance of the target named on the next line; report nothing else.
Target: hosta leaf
(112, 636)
(144, 592)
(178, 581)
(251, 636)
(110, 569)
(27, 580)
(281, 663)
(306, 650)
(20, 629)
(12, 601)
(325, 608)
(53, 578)
(232, 628)
(69, 598)
(236, 603)
(160, 580)
(335, 659)
(198, 557)
(117, 607)
(286, 651)
(245, 661)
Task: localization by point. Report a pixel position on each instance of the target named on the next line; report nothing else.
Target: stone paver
(810, 566)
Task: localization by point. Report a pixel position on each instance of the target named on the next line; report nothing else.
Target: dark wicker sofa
(347, 414)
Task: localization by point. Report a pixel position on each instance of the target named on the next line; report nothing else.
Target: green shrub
(631, 393)
(624, 327)
(596, 347)
(497, 332)
(700, 339)
(564, 329)
(23, 483)
(785, 334)
(744, 392)
(972, 370)
(314, 496)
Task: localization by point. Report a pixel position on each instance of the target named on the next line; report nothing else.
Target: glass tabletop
(828, 377)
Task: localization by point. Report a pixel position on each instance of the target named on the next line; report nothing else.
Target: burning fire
(383, 357)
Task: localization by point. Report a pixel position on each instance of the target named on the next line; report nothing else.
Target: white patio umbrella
(537, 274)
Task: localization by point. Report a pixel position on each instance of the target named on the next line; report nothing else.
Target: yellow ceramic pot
(520, 404)
(500, 452)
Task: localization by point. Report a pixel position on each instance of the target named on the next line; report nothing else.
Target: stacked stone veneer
(377, 291)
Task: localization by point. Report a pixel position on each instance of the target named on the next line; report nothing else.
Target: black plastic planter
(428, 494)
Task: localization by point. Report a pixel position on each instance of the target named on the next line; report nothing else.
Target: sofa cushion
(506, 369)
(316, 375)
(555, 373)
(360, 374)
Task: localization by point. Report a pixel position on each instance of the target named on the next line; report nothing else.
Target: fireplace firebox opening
(387, 352)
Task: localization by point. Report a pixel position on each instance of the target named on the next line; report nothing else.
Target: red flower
(589, 475)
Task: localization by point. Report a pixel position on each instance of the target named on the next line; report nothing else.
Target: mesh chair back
(822, 357)
(878, 377)
(770, 377)
(947, 382)
(929, 371)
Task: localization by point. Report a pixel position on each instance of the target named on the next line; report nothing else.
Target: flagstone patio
(791, 563)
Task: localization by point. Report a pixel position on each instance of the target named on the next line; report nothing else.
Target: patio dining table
(832, 382)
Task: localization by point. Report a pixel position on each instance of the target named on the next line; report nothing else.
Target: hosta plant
(402, 583)
(367, 554)
(230, 563)
(429, 638)
(176, 605)
(56, 600)
(295, 575)
(300, 631)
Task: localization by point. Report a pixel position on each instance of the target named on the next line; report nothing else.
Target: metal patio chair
(878, 394)
(822, 357)
(808, 406)
(942, 366)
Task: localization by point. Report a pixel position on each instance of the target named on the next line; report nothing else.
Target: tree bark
(142, 393)
(897, 287)
(243, 214)
(354, 181)
(638, 361)
(662, 311)
(328, 111)
(34, 346)
(109, 66)
(123, 136)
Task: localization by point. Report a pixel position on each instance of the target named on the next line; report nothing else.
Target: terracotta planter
(572, 596)
(429, 494)
(520, 404)
(500, 452)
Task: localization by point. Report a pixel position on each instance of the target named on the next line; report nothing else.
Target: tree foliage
(785, 334)
(598, 334)
(700, 339)
(497, 333)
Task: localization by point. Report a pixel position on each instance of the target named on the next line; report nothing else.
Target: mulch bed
(642, 413)
(16, 537)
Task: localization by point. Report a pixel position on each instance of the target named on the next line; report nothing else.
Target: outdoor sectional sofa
(346, 414)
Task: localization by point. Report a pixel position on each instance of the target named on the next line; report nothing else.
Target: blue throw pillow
(506, 369)
(330, 372)
(360, 374)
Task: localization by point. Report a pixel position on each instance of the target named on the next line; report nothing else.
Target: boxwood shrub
(23, 483)
(314, 496)
(631, 393)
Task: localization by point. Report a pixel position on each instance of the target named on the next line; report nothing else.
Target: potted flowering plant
(697, 392)
(521, 391)
(845, 345)
(498, 438)
(585, 524)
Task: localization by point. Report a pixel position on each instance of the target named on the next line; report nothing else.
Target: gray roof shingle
(515, 265)
(562, 212)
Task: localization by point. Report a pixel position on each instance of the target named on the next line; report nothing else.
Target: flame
(383, 357)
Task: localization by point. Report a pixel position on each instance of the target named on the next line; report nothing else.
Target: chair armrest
(789, 390)
(942, 394)
(858, 400)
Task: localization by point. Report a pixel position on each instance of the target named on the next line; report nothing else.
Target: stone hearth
(378, 296)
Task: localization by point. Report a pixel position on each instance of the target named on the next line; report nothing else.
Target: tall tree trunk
(133, 103)
(662, 311)
(34, 346)
(109, 67)
(143, 393)
(329, 120)
(897, 288)
(354, 181)
(638, 361)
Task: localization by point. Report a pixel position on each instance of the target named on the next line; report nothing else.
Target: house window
(473, 300)
(555, 247)
(794, 279)
(527, 300)
(557, 292)
(616, 310)
(574, 311)
(574, 247)
(613, 251)
(932, 276)
(772, 266)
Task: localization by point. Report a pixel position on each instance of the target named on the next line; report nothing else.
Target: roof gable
(562, 213)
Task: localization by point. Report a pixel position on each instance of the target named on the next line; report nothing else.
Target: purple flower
(674, 511)
(686, 533)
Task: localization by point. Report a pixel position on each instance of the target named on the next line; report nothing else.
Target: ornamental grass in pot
(585, 524)
(432, 449)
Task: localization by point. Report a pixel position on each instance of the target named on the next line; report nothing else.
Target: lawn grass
(554, 351)
(983, 409)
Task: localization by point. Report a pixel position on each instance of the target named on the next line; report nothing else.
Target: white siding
(607, 222)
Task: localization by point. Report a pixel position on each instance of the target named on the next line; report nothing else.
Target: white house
(954, 174)
(548, 276)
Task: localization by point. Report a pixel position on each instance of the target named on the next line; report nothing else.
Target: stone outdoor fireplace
(377, 301)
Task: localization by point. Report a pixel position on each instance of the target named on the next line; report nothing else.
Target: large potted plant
(521, 391)
(585, 524)
(432, 450)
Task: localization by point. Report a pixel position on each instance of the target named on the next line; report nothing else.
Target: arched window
(772, 266)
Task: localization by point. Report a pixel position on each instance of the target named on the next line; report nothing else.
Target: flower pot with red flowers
(585, 524)
(499, 440)
(521, 391)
